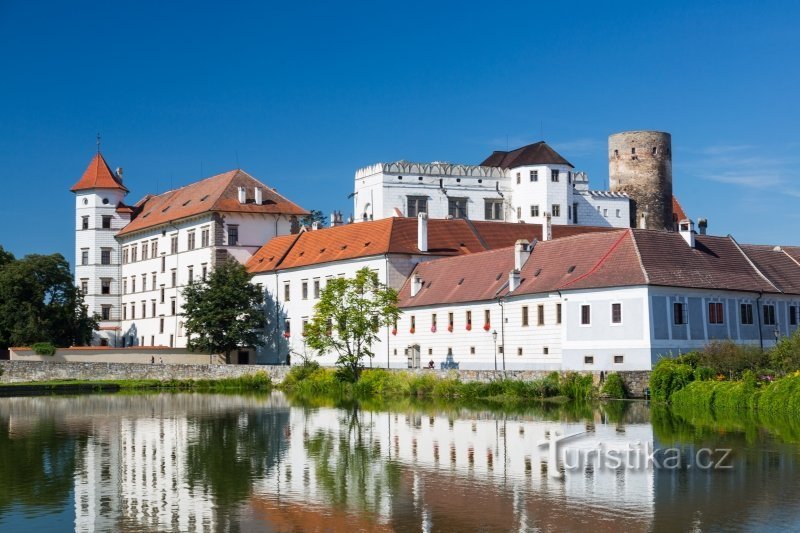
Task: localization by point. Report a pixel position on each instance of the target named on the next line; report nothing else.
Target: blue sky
(303, 94)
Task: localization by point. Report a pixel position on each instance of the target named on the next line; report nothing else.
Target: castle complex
(514, 263)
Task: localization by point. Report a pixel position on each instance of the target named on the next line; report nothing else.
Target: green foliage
(668, 376)
(614, 387)
(347, 319)
(731, 359)
(40, 303)
(379, 382)
(224, 312)
(44, 348)
(577, 386)
(314, 216)
(785, 357)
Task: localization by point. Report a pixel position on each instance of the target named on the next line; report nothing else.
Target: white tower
(99, 215)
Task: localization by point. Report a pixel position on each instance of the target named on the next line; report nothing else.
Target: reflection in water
(194, 462)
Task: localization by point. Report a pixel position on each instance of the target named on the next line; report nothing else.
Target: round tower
(640, 164)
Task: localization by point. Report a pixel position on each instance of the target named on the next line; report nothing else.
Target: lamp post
(494, 338)
(502, 302)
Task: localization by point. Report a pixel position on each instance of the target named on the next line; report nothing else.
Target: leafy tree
(224, 312)
(347, 319)
(40, 303)
(314, 216)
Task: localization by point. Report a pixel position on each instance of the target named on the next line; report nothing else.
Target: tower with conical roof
(99, 215)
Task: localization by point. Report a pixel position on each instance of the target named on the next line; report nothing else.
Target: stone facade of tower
(640, 164)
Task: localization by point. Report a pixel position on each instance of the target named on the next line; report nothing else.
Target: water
(202, 462)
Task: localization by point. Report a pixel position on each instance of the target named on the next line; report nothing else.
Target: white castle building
(522, 185)
(133, 260)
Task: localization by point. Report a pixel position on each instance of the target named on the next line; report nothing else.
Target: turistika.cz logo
(635, 455)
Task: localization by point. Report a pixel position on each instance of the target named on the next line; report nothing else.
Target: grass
(259, 381)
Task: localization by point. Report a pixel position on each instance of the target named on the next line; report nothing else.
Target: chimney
(522, 251)
(333, 221)
(119, 174)
(547, 227)
(242, 195)
(422, 232)
(315, 225)
(702, 225)
(416, 285)
(643, 220)
(513, 280)
(258, 195)
(686, 229)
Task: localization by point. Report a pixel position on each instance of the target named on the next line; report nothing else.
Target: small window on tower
(106, 221)
(84, 222)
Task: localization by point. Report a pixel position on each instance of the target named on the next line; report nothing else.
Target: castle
(515, 260)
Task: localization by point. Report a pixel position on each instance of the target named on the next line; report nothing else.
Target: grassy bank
(259, 381)
(311, 380)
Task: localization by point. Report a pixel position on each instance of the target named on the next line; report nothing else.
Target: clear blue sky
(306, 93)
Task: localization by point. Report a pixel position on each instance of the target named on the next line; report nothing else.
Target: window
(715, 313)
(472, 350)
(534, 210)
(154, 248)
(554, 175)
(433, 322)
(678, 314)
(618, 213)
(793, 315)
(304, 326)
(575, 212)
(556, 210)
(105, 256)
(605, 213)
(519, 178)
(163, 264)
(469, 319)
(84, 256)
(190, 240)
(124, 256)
(190, 274)
(558, 313)
(588, 359)
(154, 278)
(153, 308)
(161, 296)
(105, 312)
(144, 282)
(233, 234)
(173, 244)
(586, 315)
(316, 288)
(204, 237)
(569, 212)
(457, 207)
(173, 277)
(84, 222)
(134, 253)
(161, 325)
(287, 328)
(546, 350)
(144, 308)
(173, 306)
(413, 323)
(493, 209)
(450, 321)
(519, 213)
(616, 313)
(287, 291)
(124, 286)
(204, 271)
(133, 284)
(487, 318)
(124, 317)
(540, 315)
(524, 315)
(746, 314)
(619, 359)
(133, 311)
(106, 221)
(105, 286)
(769, 315)
(416, 205)
(304, 289)
(519, 351)
(85, 286)
(534, 175)
(144, 251)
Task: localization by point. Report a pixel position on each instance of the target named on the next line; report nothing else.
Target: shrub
(576, 386)
(785, 357)
(731, 359)
(669, 376)
(44, 348)
(379, 382)
(614, 387)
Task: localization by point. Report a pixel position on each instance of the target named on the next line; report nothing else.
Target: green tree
(347, 319)
(224, 312)
(40, 303)
(314, 216)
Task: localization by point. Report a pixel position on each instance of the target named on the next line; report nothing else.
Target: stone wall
(25, 371)
(135, 354)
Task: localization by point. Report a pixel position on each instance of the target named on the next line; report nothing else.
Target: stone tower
(640, 164)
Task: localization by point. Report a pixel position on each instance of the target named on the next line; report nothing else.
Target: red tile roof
(98, 176)
(533, 154)
(215, 194)
(396, 235)
(616, 258)
(678, 213)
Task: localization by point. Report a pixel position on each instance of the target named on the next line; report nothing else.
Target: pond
(205, 462)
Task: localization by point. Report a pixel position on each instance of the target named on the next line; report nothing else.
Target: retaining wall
(136, 354)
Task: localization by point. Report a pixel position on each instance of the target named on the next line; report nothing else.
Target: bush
(614, 387)
(576, 386)
(380, 382)
(44, 348)
(785, 357)
(669, 376)
(731, 359)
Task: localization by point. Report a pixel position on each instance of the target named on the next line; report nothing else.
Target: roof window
(204, 198)
(187, 202)
(571, 269)
(500, 275)
(461, 281)
(538, 271)
(165, 209)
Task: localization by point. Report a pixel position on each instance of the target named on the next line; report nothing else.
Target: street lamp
(494, 338)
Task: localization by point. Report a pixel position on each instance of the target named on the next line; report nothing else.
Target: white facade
(523, 194)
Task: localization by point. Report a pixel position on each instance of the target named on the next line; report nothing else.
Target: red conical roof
(98, 176)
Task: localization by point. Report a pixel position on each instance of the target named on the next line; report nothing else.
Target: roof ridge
(752, 264)
(286, 252)
(639, 256)
(599, 262)
(787, 254)
(478, 236)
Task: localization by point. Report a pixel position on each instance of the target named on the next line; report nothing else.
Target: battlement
(436, 168)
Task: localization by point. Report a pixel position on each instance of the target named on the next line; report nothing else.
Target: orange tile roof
(98, 176)
(398, 235)
(678, 213)
(215, 194)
